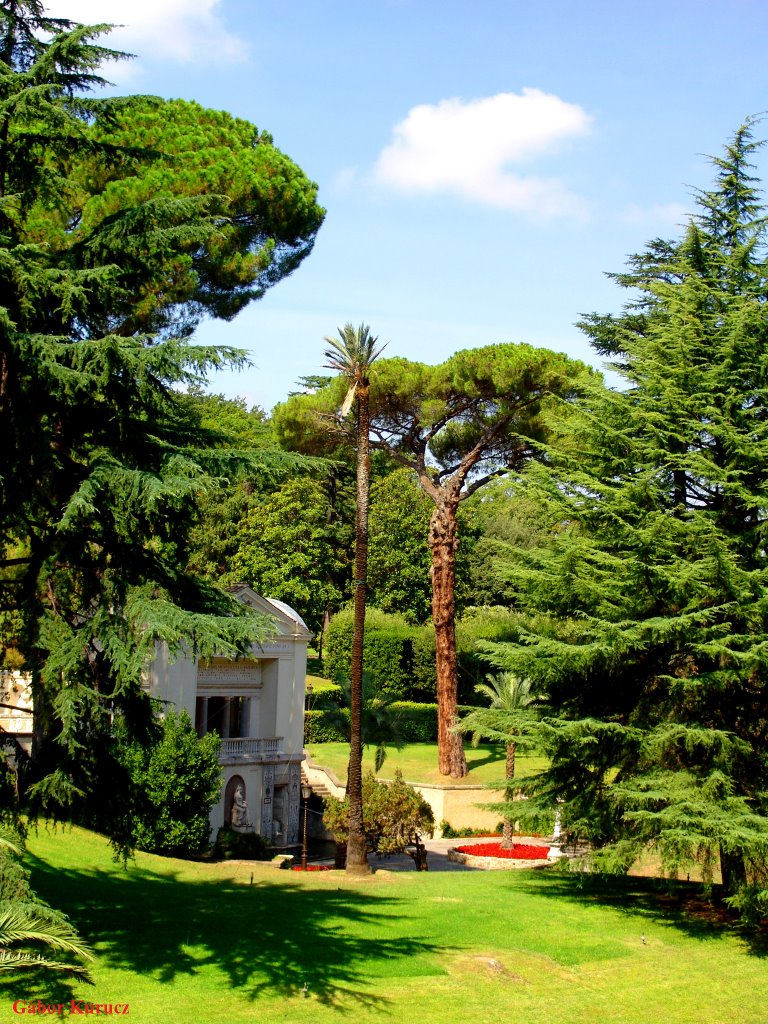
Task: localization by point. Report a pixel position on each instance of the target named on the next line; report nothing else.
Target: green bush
(388, 655)
(467, 832)
(323, 726)
(395, 815)
(231, 845)
(418, 722)
(179, 780)
(401, 658)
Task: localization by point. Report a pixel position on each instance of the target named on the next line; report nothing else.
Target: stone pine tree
(101, 459)
(352, 355)
(456, 426)
(647, 615)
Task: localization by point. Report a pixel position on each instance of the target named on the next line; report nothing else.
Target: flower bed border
(499, 863)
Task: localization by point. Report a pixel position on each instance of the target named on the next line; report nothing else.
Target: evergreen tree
(647, 615)
(102, 460)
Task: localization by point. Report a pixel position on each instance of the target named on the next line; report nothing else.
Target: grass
(418, 763)
(212, 943)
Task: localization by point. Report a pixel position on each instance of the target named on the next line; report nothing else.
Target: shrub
(180, 779)
(323, 726)
(231, 845)
(388, 655)
(448, 832)
(401, 658)
(395, 815)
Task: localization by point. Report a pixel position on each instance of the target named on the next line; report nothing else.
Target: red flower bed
(520, 851)
(313, 867)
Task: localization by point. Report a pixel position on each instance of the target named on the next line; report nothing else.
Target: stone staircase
(322, 780)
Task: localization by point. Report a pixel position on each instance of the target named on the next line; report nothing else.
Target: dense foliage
(178, 781)
(394, 816)
(400, 658)
(102, 459)
(646, 616)
(288, 549)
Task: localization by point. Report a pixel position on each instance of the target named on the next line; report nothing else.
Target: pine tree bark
(443, 543)
(357, 858)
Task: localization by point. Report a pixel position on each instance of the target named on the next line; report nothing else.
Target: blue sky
(482, 165)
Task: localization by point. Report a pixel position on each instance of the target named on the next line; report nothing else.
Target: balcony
(250, 749)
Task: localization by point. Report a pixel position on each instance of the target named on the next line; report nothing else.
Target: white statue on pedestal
(239, 816)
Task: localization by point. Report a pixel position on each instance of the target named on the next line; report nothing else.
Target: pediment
(288, 621)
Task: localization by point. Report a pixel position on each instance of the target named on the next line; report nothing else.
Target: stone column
(254, 715)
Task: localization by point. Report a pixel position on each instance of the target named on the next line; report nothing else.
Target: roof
(287, 619)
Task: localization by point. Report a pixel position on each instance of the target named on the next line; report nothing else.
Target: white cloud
(466, 148)
(179, 30)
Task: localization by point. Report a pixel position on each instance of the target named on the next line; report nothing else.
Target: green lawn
(418, 763)
(199, 944)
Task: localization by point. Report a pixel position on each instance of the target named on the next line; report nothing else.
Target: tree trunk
(733, 871)
(508, 839)
(357, 858)
(443, 542)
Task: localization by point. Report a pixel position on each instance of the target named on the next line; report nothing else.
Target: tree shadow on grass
(486, 755)
(678, 904)
(271, 936)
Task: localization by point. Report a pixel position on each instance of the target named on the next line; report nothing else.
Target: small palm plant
(26, 926)
(508, 719)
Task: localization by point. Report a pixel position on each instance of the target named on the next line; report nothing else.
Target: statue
(239, 816)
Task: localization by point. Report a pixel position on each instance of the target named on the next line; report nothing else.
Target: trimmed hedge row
(401, 658)
(416, 723)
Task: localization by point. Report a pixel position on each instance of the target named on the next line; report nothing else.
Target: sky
(482, 165)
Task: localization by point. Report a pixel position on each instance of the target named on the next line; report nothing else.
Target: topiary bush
(388, 655)
(324, 726)
(401, 658)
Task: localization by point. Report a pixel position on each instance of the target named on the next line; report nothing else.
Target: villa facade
(257, 708)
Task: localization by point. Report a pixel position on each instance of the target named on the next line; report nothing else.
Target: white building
(257, 707)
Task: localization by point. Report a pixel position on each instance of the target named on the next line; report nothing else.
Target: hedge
(401, 658)
(417, 723)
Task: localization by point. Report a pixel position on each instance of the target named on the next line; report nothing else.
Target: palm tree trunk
(443, 542)
(507, 840)
(357, 859)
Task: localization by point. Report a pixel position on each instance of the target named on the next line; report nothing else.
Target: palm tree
(508, 719)
(22, 924)
(351, 354)
(26, 925)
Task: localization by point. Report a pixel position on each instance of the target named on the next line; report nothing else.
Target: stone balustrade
(253, 749)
